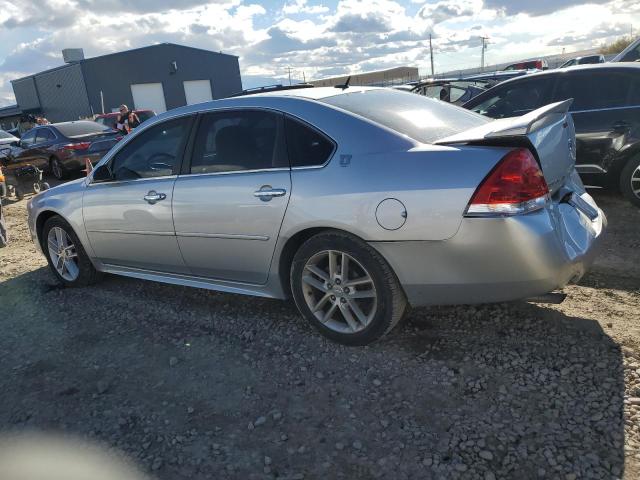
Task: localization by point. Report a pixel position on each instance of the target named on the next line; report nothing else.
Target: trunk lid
(548, 132)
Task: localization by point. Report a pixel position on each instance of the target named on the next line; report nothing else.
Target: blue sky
(315, 38)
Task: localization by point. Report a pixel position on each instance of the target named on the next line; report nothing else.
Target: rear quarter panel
(435, 184)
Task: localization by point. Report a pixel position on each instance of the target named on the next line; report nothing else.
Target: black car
(588, 59)
(61, 148)
(605, 110)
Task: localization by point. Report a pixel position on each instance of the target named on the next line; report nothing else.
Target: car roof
(314, 93)
(576, 68)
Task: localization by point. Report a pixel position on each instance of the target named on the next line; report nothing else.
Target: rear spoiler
(511, 127)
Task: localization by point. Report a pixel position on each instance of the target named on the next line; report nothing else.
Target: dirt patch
(194, 384)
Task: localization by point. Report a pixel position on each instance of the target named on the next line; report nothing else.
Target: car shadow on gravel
(188, 381)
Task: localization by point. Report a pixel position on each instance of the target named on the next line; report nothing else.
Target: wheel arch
(290, 248)
(41, 219)
(613, 175)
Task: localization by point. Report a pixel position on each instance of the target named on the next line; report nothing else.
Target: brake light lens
(515, 186)
(77, 146)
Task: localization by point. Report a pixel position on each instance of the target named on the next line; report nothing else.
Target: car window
(28, 138)
(423, 119)
(306, 146)
(516, 98)
(100, 120)
(237, 141)
(156, 152)
(593, 90)
(81, 128)
(632, 55)
(634, 93)
(44, 135)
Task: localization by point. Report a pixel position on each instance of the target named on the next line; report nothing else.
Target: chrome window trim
(235, 172)
(90, 181)
(127, 138)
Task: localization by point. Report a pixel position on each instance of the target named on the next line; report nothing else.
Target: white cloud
(317, 37)
(301, 6)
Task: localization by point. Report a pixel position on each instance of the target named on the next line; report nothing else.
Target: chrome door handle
(153, 197)
(267, 194)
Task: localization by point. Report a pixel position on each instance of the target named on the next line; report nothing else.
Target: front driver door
(128, 219)
(229, 203)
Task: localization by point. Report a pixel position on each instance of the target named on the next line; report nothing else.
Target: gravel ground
(194, 384)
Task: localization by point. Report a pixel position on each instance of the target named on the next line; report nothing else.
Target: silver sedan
(357, 202)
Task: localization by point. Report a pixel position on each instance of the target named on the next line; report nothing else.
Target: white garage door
(148, 96)
(197, 91)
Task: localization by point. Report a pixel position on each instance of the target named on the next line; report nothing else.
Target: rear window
(422, 119)
(146, 115)
(79, 129)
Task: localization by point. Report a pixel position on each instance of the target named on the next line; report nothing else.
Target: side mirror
(102, 174)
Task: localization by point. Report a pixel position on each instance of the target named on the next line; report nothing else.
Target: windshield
(79, 129)
(422, 119)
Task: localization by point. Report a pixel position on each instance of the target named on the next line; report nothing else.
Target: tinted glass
(154, 153)
(306, 146)
(236, 141)
(28, 138)
(516, 98)
(632, 55)
(593, 90)
(81, 128)
(634, 94)
(423, 119)
(44, 135)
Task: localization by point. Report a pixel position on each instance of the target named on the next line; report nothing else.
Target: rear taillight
(515, 186)
(76, 146)
(539, 64)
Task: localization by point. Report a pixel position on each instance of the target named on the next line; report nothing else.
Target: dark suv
(606, 113)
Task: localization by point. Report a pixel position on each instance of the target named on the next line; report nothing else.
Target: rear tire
(346, 289)
(630, 181)
(67, 259)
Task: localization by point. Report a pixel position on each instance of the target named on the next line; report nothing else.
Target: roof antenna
(345, 85)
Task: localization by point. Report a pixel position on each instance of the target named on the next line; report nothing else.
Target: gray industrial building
(158, 77)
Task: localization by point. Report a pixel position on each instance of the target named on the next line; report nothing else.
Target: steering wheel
(158, 161)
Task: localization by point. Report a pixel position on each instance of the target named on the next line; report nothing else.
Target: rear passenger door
(230, 200)
(45, 138)
(604, 116)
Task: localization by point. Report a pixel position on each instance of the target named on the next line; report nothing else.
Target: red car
(110, 119)
(540, 64)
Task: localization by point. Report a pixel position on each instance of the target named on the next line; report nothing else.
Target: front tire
(630, 181)
(67, 259)
(346, 289)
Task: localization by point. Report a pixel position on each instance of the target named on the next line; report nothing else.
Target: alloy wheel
(635, 181)
(339, 291)
(63, 254)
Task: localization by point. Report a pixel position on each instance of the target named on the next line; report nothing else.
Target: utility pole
(484, 48)
(431, 51)
(289, 68)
